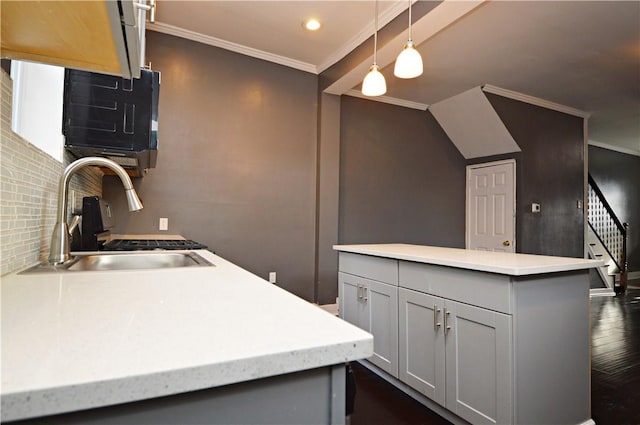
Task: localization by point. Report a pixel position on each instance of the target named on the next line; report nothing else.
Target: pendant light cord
(375, 37)
(410, 27)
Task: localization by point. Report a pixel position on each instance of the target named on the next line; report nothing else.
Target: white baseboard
(601, 292)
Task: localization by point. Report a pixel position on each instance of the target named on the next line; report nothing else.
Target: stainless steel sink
(126, 261)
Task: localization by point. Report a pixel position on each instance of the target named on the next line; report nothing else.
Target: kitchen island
(178, 345)
(481, 337)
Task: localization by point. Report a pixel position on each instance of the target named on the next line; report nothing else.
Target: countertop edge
(385, 250)
(22, 405)
(339, 343)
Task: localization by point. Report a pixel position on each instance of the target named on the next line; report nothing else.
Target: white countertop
(78, 340)
(486, 261)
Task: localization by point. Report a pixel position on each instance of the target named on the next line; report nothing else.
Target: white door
(491, 206)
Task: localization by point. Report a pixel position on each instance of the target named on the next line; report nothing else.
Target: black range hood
(113, 117)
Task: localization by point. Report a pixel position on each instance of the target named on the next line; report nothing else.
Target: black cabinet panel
(112, 116)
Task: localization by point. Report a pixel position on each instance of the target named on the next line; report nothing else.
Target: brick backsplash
(29, 193)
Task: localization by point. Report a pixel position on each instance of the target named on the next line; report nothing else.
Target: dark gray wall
(618, 177)
(401, 179)
(249, 165)
(550, 172)
(237, 160)
(328, 190)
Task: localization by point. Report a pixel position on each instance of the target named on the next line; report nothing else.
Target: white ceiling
(585, 55)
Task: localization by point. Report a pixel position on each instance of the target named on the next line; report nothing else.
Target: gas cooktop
(150, 244)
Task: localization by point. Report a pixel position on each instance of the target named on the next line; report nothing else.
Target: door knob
(506, 243)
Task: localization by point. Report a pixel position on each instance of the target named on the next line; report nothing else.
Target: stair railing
(609, 230)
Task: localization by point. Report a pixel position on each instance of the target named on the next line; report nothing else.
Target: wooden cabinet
(457, 355)
(100, 36)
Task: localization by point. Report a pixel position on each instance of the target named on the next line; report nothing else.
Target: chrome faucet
(59, 252)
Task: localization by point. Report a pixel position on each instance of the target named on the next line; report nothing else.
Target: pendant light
(374, 83)
(409, 62)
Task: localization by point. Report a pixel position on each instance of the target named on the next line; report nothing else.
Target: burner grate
(151, 244)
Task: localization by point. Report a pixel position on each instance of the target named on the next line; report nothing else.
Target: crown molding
(488, 88)
(383, 19)
(389, 100)
(614, 148)
(234, 47)
(556, 107)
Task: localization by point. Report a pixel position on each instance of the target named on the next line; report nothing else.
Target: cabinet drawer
(487, 290)
(376, 268)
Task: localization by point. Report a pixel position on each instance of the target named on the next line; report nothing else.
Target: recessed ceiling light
(312, 24)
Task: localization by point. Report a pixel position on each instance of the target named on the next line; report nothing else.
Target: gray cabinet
(353, 305)
(478, 363)
(422, 351)
(313, 397)
(368, 298)
(373, 307)
(476, 345)
(457, 355)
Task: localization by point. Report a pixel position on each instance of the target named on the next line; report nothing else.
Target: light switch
(164, 224)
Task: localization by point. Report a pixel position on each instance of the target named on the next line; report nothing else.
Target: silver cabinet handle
(446, 325)
(142, 6)
(151, 8)
(436, 312)
(152, 14)
(366, 290)
(359, 292)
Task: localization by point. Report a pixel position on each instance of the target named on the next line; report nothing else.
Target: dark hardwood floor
(615, 373)
(615, 359)
(378, 402)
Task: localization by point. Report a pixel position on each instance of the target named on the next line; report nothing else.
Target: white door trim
(467, 236)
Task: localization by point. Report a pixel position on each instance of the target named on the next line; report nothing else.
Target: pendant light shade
(409, 62)
(374, 83)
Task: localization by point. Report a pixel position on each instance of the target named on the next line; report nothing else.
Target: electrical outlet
(164, 224)
(272, 277)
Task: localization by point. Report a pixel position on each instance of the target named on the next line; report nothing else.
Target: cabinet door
(48, 32)
(351, 307)
(422, 352)
(478, 358)
(382, 303)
